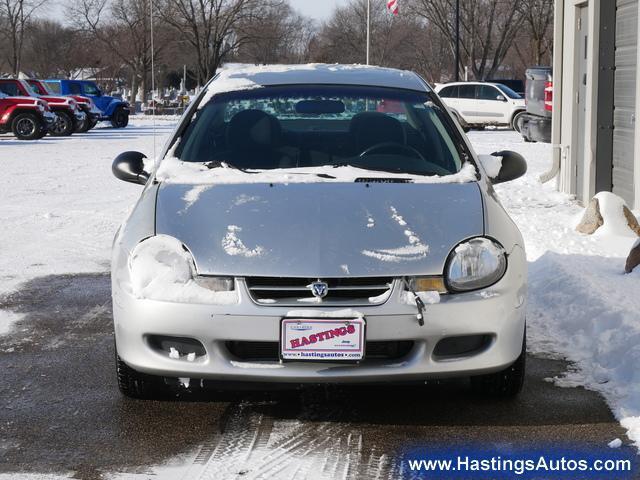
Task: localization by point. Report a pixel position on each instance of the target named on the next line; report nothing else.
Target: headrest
(371, 128)
(253, 130)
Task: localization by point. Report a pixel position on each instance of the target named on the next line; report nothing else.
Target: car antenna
(153, 85)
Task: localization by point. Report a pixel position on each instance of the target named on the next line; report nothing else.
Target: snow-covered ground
(60, 207)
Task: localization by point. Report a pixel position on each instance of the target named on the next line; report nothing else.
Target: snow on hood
(320, 229)
(175, 171)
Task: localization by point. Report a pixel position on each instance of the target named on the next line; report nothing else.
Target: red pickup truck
(27, 118)
(84, 103)
(66, 109)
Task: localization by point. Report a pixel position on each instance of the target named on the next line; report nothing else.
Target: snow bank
(175, 171)
(161, 269)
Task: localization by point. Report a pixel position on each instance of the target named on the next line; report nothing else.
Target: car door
(467, 105)
(90, 89)
(10, 88)
(493, 106)
(449, 96)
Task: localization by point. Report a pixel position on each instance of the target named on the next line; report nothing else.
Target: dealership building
(595, 133)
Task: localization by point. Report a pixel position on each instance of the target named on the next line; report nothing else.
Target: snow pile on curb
(582, 306)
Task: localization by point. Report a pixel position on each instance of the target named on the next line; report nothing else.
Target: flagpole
(368, 30)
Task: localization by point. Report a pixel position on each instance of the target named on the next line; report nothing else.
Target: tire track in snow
(256, 446)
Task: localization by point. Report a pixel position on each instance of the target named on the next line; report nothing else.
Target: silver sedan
(318, 224)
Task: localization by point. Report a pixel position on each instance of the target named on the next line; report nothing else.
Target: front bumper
(49, 117)
(498, 311)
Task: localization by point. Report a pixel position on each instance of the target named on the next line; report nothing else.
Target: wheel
(506, 383)
(27, 126)
(120, 118)
(63, 126)
(83, 125)
(92, 124)
(139, 385)
(516, 118)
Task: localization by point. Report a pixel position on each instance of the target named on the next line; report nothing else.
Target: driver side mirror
(501, 98)
(129, 167)
(504, 166)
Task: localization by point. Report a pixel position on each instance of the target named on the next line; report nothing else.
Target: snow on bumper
(497, 312)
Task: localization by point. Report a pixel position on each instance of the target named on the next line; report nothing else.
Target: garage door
(625, 98)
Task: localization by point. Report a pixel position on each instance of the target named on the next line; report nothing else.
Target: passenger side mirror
(129, 167)
(503, 166)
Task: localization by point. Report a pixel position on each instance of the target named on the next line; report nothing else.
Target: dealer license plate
(335, 339)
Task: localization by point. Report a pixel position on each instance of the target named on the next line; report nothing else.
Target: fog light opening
(177, 348)
(461, 346)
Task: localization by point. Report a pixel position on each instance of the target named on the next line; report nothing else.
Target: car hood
(320, 229)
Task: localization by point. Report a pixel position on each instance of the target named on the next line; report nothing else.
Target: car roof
(453, 84)
(240, 77)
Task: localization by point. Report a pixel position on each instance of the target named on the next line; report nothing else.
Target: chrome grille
(279, 291)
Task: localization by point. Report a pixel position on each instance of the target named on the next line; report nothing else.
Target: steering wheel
(398, 146)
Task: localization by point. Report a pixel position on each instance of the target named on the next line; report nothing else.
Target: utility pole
(457, 40)
(368, 31)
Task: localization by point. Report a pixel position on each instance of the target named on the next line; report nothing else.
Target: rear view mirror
(129, 167)
(320, 107)
(513, 166)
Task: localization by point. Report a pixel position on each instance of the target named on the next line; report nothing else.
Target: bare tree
(538, 25)
(16, 15)
(214, 29)
(124, 27)
(279, 35)
(343, 37)
(488, 29)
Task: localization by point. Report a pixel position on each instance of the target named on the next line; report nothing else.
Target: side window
(54, 87)
(75, 88)
(449, 92)
(467, 91)
(90, 89)
(10, 89)
(487, 92)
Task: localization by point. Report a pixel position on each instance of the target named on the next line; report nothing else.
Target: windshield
(38, 87)
(508, 92)
(382, 129)
(29, 88)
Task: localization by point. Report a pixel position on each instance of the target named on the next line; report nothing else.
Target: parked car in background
(112, 109)
(535, 125)
(92, 113)
(27, 118)
(482, 104)
(355, 237)
(68, 115)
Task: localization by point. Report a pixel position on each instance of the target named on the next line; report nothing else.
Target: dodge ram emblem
(319, 289)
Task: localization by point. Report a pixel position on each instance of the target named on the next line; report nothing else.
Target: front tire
(139, 385)
(507, 383)
(27, 126)
(83, 126)
(120, 118)
(63, 126)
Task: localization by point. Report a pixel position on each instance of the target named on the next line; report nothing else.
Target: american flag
(392, 6)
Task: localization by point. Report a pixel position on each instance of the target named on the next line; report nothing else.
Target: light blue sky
(317, 9)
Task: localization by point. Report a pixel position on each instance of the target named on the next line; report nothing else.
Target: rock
(632, 221)
(592, 219)
(634, 258)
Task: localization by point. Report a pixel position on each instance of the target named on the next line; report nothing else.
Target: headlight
(161, 268)
(474, 264)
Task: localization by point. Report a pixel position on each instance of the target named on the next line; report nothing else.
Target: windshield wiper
(218, 164)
